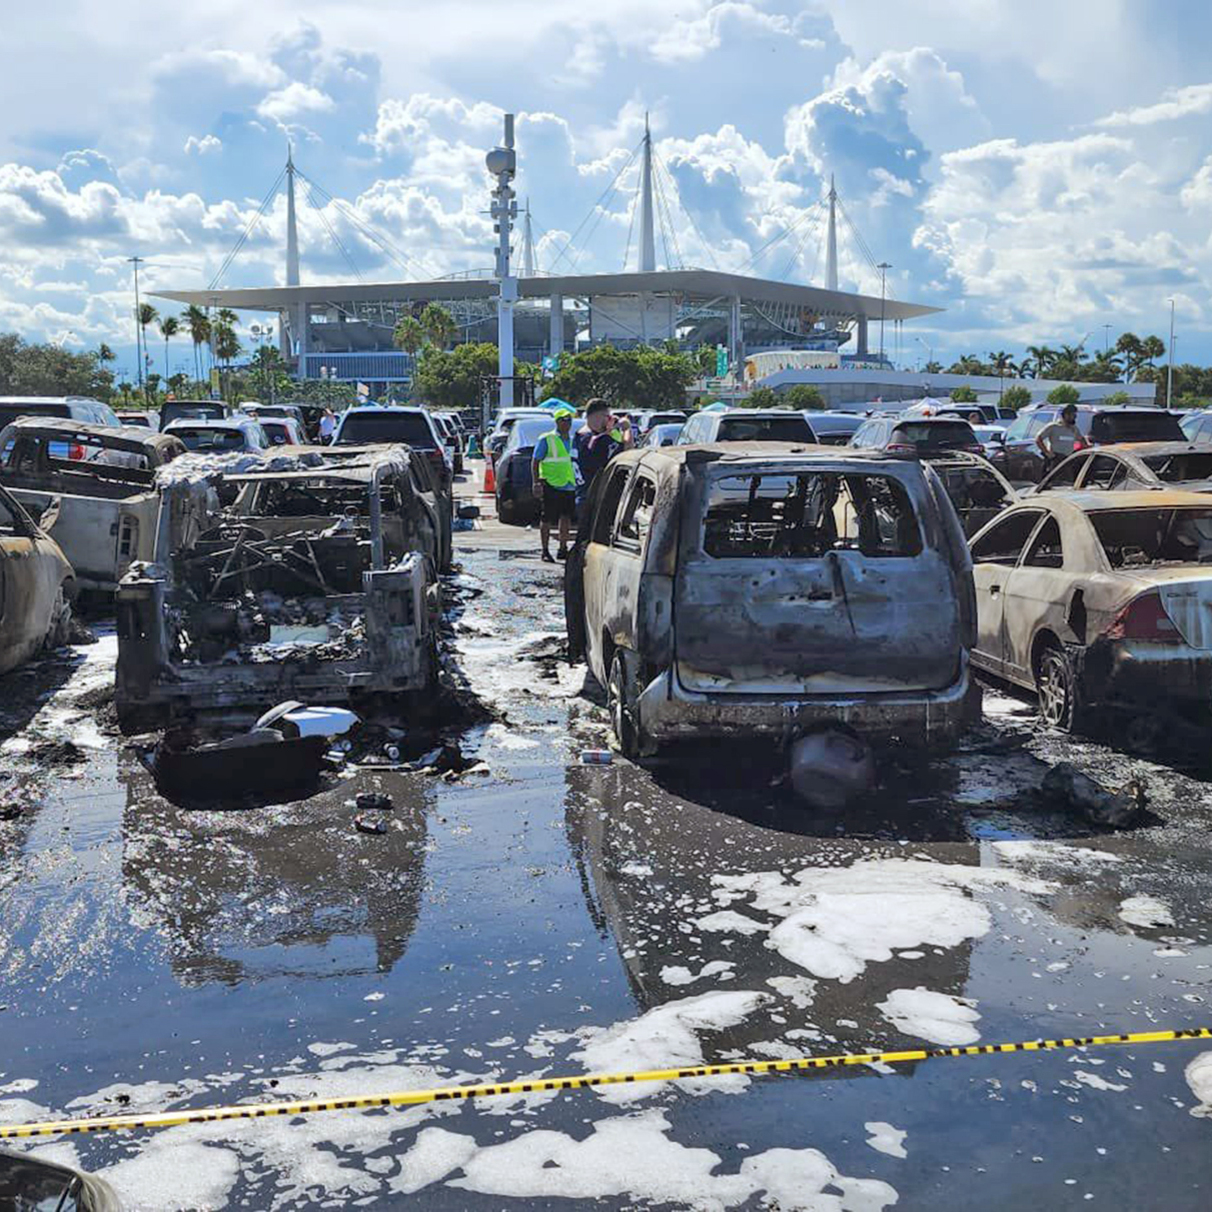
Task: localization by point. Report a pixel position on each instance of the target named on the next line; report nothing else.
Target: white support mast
(831, 240)
(647, 234)
(528, 265)
(298, 317)
(502, 162)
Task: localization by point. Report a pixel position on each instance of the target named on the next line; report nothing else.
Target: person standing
(596, 443)
(555, 482)
(328, 422)
(1060, 439)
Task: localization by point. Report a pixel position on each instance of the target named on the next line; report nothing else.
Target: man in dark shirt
(596, 443)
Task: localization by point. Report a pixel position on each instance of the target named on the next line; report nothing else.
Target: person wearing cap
(1060, 439)
(555, 482)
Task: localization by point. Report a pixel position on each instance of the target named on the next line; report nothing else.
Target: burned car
(100, 482)
(977, 490)
(770, 589)
(36, 587)
(318, 583)
(1098, 599)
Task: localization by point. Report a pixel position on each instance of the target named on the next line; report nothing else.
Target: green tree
(454, 379)
(1117, 398)
(1066, 393)
(803, 396)
(197, 324)
(169, 327)
(1040, 358)
(438, 325)
(47, 370)
(1152, 348)
(761, 397)
(1016, 396)
(1002, 364)
(963, 395)
(105, 354)
(628, 378)
(969, 364)
(145, 314)
(408, 335)
(1105, 368)
(933, 368)
(266, 374)
(226, 342)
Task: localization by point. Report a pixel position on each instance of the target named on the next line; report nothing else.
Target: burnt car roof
(119, 437)
(1156, 448)
(1103, 501)
(764, 452)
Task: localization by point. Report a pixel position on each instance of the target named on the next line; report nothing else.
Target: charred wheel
(622, 694)
(1059, 689)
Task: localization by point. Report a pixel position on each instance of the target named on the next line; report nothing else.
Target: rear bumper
(1122, 671)
(669, 712)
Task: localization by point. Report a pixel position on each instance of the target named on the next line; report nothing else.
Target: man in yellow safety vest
(555, 481)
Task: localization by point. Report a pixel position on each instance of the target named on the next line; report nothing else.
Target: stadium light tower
(502, 163)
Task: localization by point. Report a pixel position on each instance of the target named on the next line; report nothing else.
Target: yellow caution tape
(411, 1098)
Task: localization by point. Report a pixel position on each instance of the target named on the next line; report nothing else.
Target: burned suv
(736, 590)
(317, 583)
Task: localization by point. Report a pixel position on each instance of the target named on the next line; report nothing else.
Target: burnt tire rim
(620, 714)
(1055, 693)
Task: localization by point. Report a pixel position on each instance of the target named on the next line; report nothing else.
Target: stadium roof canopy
(702, 284)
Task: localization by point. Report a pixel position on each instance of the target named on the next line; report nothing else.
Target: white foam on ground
(728, 921)
(554, 1165)
(799, 990)
(1199, 1077)
(22, 1085)
(837, 920)
(1145, 912)
(1095, 1082)
(675, 974)
(666, 1037)
(938, 1017)
(1061, 853)
(321, 1049)
(887, 1139)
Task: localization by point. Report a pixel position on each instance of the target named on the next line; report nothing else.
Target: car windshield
(1189, 465)
(988, 433)
(1132, 537)
(808, 514)
(411, 428)
(790, 428)
(528, 431)
(935, 433)
(200, 437)
(1139, 425)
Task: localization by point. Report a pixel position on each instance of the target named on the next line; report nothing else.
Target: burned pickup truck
(92, 486)
(317, 582)
(739, 590)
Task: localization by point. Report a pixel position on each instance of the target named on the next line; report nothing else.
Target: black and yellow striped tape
(412, 1098)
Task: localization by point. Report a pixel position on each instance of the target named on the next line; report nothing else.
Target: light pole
(136, 262)
(883, 267)
(1106, 338)
(1170, 360)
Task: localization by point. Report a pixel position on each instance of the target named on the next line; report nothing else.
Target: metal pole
(135, 261)
(883, 267)
(1106, 338)
(1170, 361)
(502, 162)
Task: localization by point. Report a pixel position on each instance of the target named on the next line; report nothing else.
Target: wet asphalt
(155, 956)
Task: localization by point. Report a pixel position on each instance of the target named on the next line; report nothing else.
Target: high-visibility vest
(556, 468)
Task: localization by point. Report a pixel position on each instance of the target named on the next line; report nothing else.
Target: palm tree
(1002, 364)
(408, 335)
(197, 323)
(1043, 357)
(146, 314)
(105, 354)
(438, 325)
(169, 327)
(1072, 353)
(1106, 367)
(1153, 347)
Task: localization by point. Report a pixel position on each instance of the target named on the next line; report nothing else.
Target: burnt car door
(995, 552)
(1106, 472)
(623, 566)
(593, 560)
(1036, 596)
(809, 577)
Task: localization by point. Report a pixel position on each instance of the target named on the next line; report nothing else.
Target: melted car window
(1171, 469)
(1133, 537)
(809, 514)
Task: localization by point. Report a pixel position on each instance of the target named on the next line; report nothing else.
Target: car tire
(58, 634)
(1059, 689)
(507, 512)
(622, 704)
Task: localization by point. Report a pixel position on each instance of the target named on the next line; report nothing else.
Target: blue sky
(1039, 170)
